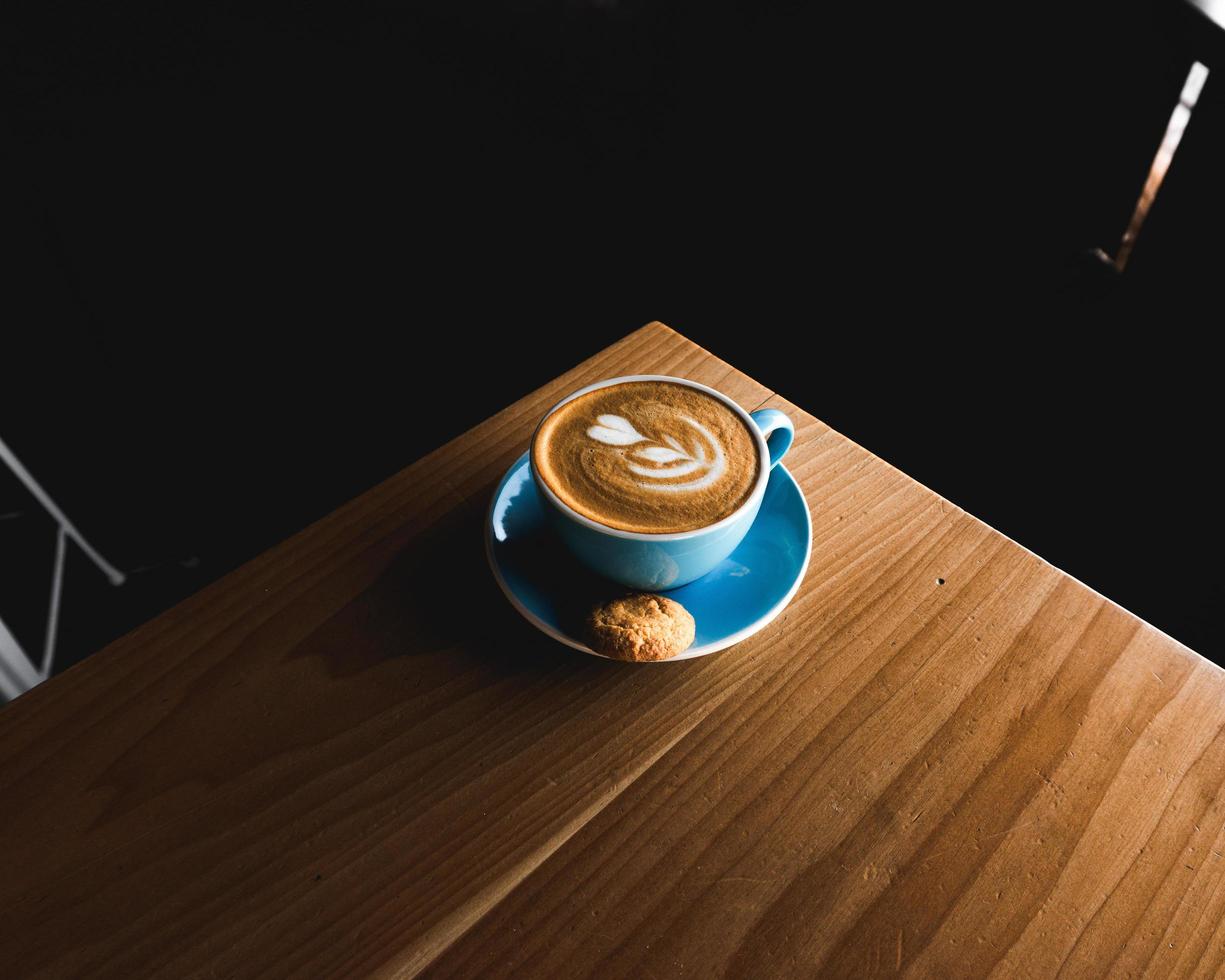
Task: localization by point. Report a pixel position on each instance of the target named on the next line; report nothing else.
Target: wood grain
(351, 758)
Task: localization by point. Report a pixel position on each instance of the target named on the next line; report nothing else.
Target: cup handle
(777, 429)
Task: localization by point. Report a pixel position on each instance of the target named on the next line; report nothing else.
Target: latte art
(613, 430)
(649, 456)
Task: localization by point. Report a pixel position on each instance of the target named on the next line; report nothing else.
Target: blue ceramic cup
(655, 562)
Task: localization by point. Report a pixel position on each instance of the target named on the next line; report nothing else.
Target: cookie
(640, 627)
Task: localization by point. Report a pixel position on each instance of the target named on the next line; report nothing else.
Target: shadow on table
(448, 590)
(435, 646)
(438, 601)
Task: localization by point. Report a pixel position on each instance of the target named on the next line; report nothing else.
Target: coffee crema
(649, 456)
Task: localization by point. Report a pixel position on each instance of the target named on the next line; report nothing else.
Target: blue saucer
(739, 597)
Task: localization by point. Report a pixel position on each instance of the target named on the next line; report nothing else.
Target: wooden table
(352, 758)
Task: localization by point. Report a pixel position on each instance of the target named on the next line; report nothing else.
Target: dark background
(262, 256)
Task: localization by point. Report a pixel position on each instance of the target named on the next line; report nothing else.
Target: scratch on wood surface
(1075, 924)
(1009, 830)
(949, 850)
(898, 963)
(756, 881)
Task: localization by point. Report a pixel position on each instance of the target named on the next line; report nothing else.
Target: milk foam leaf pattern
(613, 430)
(661, 454)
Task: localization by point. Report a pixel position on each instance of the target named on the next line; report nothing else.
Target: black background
(263, 256)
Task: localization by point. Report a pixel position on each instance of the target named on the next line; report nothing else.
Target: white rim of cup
(763, 456)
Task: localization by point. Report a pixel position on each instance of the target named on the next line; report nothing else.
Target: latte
(649, 456)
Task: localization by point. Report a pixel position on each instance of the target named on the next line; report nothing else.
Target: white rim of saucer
(722, 644)
(763, 456)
